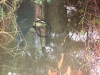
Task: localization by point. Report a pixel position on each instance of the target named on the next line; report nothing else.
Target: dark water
(37, 61)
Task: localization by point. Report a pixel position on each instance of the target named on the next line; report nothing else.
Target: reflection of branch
(97, 47)
(10, 67)
(2, 32)
(96, 5)
(64, 40)
(61, 61)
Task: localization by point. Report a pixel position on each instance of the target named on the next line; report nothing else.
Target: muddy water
(37, 61)
(59, 41)
(69, 42)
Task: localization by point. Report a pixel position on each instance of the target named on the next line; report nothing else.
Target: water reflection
(92, 61)
(37, 61)
(79, 36)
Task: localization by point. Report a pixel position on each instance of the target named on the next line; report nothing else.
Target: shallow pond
(65, 49)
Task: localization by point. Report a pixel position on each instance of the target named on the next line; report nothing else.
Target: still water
(63, 44)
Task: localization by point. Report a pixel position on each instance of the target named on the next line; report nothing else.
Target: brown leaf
(69, 70)
(61, 61)
(79, 73)
(51, 73)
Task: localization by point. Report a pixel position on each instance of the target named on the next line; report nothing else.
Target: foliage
(87, 12)
(41, 1)
(86, 20)
(98, 21)
(2, 14)
(8, 27)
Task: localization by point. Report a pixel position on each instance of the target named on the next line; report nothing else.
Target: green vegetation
(98, 21)
(41, 1)
(2, 14)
